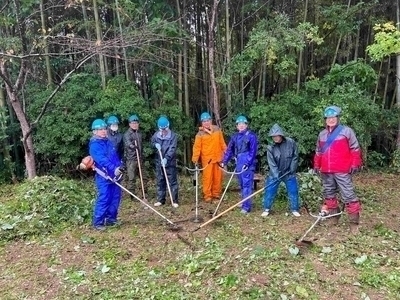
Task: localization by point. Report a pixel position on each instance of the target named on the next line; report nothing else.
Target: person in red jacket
(337, 158)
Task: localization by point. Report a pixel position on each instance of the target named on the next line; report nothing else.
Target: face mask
(114, 127)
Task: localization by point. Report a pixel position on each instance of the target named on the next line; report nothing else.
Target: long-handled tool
(140, 171)
(197, 170)
(322, 215)
(103, 174)
(227, 186)
(237, 204)
(165, 174)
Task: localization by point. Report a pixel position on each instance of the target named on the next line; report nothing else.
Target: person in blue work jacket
(282, 157)
(165, 142)
(106, 159)
(243, 146)
(115, 136)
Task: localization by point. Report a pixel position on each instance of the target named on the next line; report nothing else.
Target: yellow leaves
(386, 27)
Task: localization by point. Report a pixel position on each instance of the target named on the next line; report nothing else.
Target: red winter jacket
(342, 154)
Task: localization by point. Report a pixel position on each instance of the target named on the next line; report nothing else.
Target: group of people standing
(336, 159)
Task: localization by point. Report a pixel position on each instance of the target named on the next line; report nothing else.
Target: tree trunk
(45, 46)
(228, 56)
(211, 52)
(122, 40)
(6, 145)
(16, 103)
(300, 66)
(99, 41)
(398, 72)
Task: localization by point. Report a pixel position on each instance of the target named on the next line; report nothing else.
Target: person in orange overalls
(209, 147)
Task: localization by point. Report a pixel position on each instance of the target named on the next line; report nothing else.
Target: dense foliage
(44, 205)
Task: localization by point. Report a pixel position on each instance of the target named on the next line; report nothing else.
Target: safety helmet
(332, 111)
(112, 120)
(162, 123)
(241, 119)
(205, 116)
(133, 118)
(99, 124)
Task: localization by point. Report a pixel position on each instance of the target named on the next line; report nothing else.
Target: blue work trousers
(271, 189)
(172, 176)
(107, 202)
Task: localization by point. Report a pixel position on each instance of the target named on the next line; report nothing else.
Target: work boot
(334, 220)
(354, 220)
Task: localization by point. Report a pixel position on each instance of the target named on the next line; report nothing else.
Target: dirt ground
(233, 257)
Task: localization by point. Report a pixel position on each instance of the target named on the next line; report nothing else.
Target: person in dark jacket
(337, 158)
(243, 146)
(282, 158)
(165, 141)
(102, 150)
(115, 136)
(133, 146)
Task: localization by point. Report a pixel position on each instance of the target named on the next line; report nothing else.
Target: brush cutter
(227, 186)
(140, 172)
(165, 174)
(103, 174)
(322, 215)
(237, 204)
(197, 170)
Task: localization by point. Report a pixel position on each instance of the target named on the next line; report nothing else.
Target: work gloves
(117, 172)
(158, 146)
(133, 147)
(245, 167)
(164, 162)
(354, 170)
(317, 171)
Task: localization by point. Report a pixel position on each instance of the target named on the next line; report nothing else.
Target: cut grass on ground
(235, 257)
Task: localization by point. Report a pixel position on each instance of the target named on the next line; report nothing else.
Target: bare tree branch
(43, 110)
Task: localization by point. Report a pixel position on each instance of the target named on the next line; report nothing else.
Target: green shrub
(44, 205)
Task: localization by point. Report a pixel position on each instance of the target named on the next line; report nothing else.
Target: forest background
(65, 63)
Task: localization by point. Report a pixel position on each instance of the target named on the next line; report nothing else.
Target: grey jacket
(131, 140)
(282, 157)
(168, 145)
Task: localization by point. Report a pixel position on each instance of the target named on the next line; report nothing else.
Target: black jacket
(282, 157)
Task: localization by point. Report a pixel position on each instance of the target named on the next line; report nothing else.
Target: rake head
(303, 243)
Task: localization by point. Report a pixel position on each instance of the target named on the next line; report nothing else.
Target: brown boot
(354, 220)
(334, 220)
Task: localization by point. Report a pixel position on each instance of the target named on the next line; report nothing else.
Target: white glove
(164, 162)
(117, 172)
(158, 146)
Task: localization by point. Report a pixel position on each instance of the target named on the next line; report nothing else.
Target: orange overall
(209, 145)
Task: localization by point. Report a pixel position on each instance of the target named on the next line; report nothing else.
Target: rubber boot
(354, 220)
(334, 220)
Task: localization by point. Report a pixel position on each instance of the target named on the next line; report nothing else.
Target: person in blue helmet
(133, 151)
(282, 157)
(106, 159)
(165, 141)
(243, 146)
(115, 136)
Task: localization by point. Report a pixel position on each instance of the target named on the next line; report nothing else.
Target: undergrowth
(45, 205)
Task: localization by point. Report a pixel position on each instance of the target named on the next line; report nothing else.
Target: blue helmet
(332, 111)
(133, 118)
(241, 119)
(162, 123)
(112, 120)
(99, 124)
(205, 116)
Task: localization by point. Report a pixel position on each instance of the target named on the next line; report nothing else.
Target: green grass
(235, 257)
